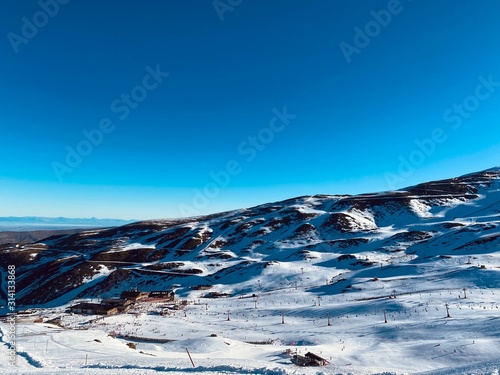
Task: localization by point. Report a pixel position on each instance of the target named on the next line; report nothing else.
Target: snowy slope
(406, 252)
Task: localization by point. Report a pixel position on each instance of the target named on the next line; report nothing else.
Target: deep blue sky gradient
(356, 123)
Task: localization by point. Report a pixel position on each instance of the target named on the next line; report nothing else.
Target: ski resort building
(121, 304)
(93, 309)
(310, 359)
(163, 294)
(134, 295)
(116, 301)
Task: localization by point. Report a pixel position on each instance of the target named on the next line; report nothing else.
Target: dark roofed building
(310, 359)
(134, 295)
(93, 309)
(316, 359)
(116, 301)
(164, 294)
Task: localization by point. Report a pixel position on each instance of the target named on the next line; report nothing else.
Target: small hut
(310, 359)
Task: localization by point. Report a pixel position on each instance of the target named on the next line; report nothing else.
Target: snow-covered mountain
(419, 232)
(391, 283)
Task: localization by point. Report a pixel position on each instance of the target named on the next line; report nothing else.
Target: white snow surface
(376, 305)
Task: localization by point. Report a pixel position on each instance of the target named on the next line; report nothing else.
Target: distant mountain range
(29, 223)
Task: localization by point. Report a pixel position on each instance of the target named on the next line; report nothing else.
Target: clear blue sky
(330, 110)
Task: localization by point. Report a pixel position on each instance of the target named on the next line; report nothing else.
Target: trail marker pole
(191, 359)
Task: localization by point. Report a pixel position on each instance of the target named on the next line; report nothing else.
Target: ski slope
(366, 282)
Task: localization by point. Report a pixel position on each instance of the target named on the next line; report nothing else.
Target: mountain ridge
(345, 235)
